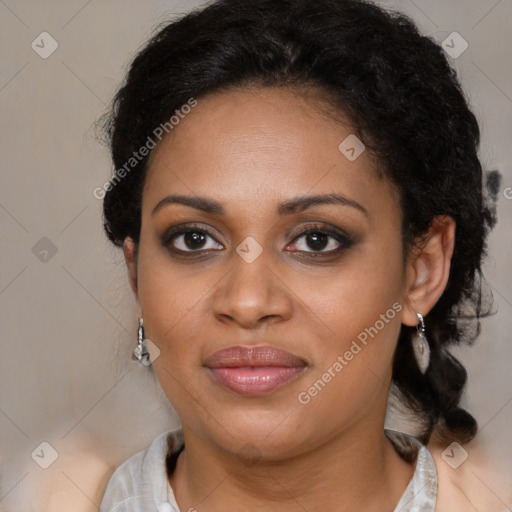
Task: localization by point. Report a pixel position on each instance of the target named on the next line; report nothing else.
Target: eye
(322, 241)
(190, 239)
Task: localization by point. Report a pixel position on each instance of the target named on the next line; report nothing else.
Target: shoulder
(141, 481)
(471, 477)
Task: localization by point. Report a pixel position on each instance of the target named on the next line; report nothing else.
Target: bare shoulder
(475, 476)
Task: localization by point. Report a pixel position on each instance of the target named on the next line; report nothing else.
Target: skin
(251, 150)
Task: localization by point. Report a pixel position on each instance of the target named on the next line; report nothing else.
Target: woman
(299, 201)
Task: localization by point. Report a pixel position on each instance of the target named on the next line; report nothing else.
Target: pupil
(319, 241)
(195, 239)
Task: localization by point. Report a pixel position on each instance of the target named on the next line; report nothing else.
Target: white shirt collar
(141, 483)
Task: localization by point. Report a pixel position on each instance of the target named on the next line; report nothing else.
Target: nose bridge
(251, 290)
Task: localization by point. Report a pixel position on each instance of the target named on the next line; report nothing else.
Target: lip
(254, 371)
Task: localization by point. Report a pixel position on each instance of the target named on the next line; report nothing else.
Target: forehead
(253, 147)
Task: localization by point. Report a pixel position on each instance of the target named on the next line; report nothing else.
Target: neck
(357, 470)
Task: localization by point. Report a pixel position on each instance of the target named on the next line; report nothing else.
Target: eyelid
(181, 229)
(341, 236)
(322, 227)
(344, 240)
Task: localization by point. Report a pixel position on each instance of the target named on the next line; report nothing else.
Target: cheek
(361, 309)
(359, 291)
(361, 337)
(171, 305)
(354, 365)
(170, 297)
(172, 309)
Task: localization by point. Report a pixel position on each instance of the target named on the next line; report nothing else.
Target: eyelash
(343, 239)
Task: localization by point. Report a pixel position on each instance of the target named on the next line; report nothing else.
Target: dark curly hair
(399, 91)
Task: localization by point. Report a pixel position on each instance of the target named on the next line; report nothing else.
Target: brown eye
(320, 240)
(190, 239)
(194, 240)
(317, 241)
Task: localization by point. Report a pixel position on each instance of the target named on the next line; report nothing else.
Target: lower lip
(255, 381)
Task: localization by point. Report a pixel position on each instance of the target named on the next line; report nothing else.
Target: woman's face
(323, 309)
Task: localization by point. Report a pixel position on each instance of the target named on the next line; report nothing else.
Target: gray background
(68, 324)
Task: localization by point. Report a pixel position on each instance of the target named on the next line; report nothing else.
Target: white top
(141, 483)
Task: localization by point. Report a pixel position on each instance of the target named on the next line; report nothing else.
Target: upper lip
(256, 356)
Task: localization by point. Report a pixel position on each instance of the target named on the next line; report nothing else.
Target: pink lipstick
(254, 371)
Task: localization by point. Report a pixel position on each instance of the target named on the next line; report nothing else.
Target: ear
(130, 258)
(428, 269)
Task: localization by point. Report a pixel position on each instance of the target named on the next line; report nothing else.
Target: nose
(252, 294)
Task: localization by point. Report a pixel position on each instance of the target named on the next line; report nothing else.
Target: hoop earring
(141, 353)
(421, 346)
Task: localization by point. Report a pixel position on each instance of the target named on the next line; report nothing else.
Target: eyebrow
(289, 207)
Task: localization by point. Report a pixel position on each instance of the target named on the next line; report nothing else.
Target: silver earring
(421, 346)
(141, 353)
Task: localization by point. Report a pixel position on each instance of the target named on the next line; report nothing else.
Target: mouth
(254, 371)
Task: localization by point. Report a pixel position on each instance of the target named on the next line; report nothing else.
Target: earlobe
(429, 269)
(130, 258)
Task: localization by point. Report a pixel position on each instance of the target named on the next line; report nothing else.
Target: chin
(264, 434)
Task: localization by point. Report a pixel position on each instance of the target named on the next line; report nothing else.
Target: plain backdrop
(68, 319)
